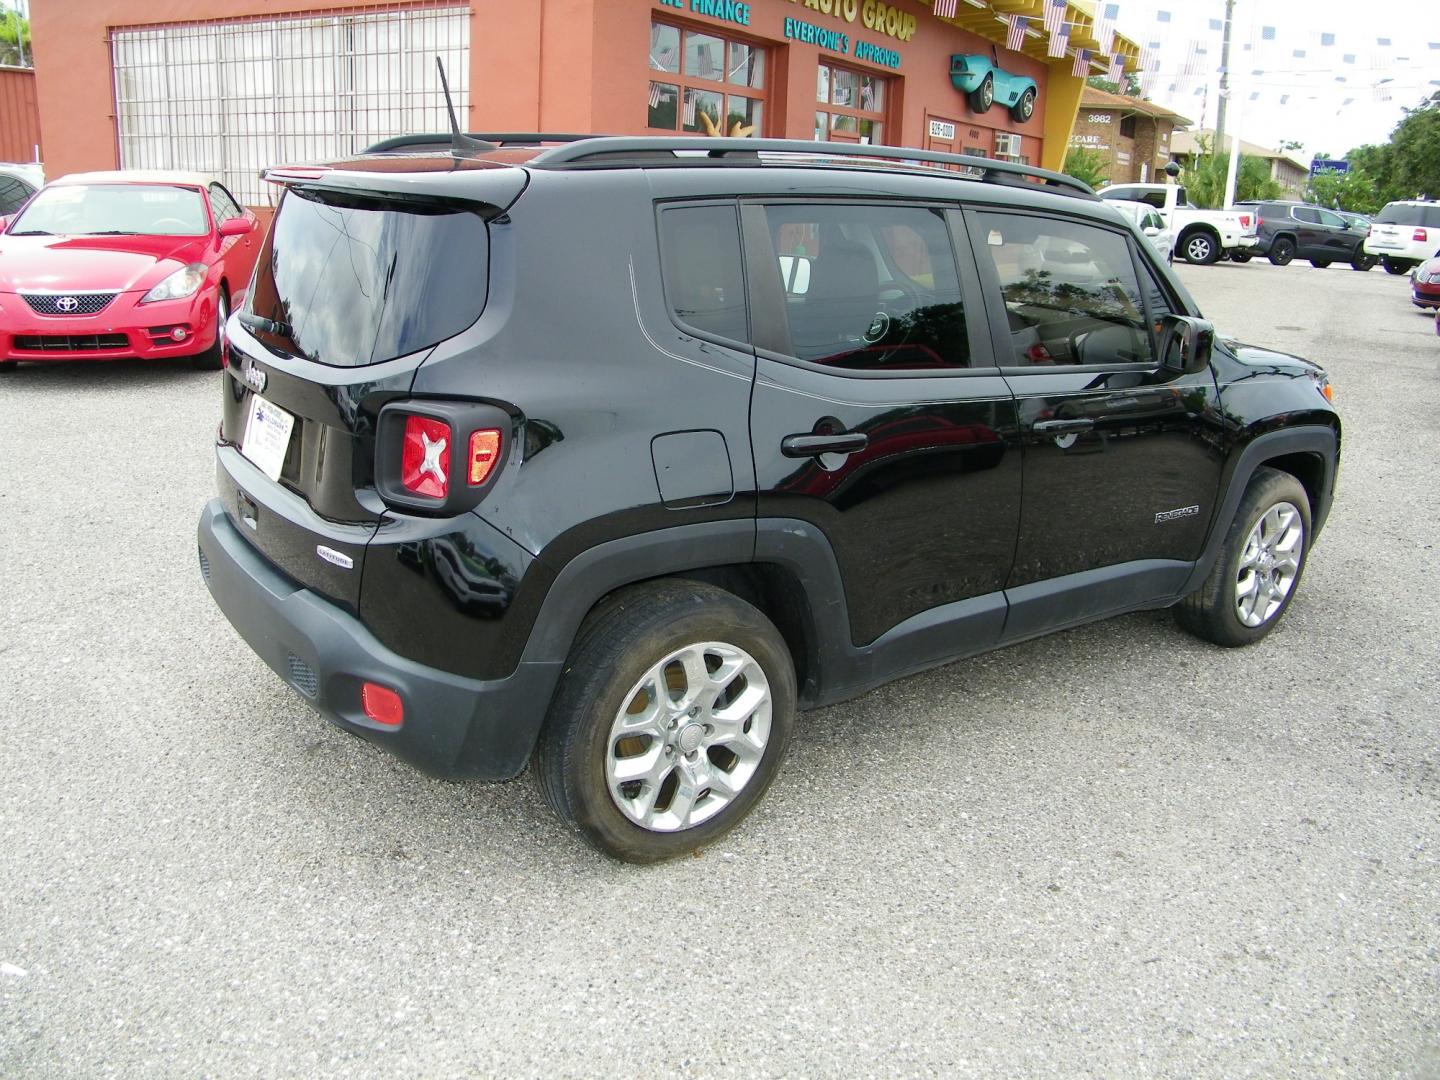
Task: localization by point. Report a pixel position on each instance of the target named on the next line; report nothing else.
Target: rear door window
(870, 287)
(1409, 214)
(704, 280)
(349, 281)
(1070, 291)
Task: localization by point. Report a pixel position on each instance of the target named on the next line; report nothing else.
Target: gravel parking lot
(1112, 852)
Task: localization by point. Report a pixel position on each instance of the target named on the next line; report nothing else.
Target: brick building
(231, 86)
(1134, 134)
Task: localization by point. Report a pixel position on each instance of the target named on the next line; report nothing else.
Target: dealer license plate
(267, 436)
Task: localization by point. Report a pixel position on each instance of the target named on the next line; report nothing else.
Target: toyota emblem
(66, 303)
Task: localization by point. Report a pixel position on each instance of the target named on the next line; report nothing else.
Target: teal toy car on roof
(984, 82)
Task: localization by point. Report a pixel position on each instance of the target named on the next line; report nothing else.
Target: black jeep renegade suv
(620, 451)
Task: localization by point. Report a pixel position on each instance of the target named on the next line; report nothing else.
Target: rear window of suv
(1410, 214)
(350, 281)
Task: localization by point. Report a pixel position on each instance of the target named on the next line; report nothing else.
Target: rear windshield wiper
(264, 325)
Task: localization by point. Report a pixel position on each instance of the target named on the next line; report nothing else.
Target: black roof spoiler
(569, 150)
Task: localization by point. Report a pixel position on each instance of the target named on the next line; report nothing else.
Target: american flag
(1117, 68)
(689, 108)
(945, 9)
(654, 95)
(1016, 37)
(1058, 40)
(1082, 63)
(1054, 15)
(1105, 26)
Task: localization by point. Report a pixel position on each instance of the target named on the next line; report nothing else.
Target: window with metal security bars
(231, 98)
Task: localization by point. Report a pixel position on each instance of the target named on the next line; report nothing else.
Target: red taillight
(1244, 221)
(484, 452)
(425, 457)
(1420, 236)
(382, 704)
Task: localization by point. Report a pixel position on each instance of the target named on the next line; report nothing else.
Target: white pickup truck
(1201, 236)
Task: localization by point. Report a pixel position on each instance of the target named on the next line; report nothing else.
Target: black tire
(1240, 256)
(1211, 612)
(1320, 264)
(1200, 247)
(1396, 266)
(629, 635)
(1282, 251)
(9, 365)
(1024, 108)
(209, 360)
(983, 96)
(1363, 262)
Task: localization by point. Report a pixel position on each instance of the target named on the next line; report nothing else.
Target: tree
(15, 40)
(1205, 178)
(1130, 88)
(1354, 191)
(1091, 166)
(1409, 164)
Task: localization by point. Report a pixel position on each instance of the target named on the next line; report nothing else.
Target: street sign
(1327, 165)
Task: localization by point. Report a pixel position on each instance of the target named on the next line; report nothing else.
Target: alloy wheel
(689, 736)
(1198, 249)
(1269, 564)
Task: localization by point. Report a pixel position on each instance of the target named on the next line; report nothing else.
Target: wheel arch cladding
(1312, 448)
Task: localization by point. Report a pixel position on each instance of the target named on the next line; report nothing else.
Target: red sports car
(98, 266)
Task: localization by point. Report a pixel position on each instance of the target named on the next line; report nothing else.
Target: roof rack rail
(623, 151)
(501, 139)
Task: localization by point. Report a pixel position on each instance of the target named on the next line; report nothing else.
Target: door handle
(1061, 427)
(802, 446)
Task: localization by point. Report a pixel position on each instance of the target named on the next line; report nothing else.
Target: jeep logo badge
(252, 376)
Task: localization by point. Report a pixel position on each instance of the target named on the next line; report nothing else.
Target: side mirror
(1186, 343)
(236, 226)
(1151, 230)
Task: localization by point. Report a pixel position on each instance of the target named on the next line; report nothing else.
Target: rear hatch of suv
(366, 268)
(1411, 230)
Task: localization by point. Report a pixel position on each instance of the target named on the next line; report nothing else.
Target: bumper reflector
(382, 704)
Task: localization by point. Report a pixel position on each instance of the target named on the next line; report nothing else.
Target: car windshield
(113, 210)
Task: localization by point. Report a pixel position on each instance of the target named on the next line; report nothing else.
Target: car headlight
(182, 283)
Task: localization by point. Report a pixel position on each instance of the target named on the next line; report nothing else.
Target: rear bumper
(124, 329)
(454, 727)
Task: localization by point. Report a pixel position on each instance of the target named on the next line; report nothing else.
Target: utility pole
(1224, 78)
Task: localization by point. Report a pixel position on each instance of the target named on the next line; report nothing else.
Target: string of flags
(1305, 47)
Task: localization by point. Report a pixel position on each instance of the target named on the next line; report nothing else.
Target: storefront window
(852, 105)
(707, 71)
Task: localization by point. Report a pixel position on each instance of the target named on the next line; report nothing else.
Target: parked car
(1201, 236)
(1404, 234)
(1291, 230)
(501, 479)
(1425, 283)
(1151, 224)
(17, 183)
(99, 266)
(983, 82)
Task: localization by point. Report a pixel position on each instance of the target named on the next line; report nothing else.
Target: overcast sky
(1315, 112)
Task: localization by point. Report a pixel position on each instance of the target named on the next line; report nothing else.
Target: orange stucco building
(231, 86)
